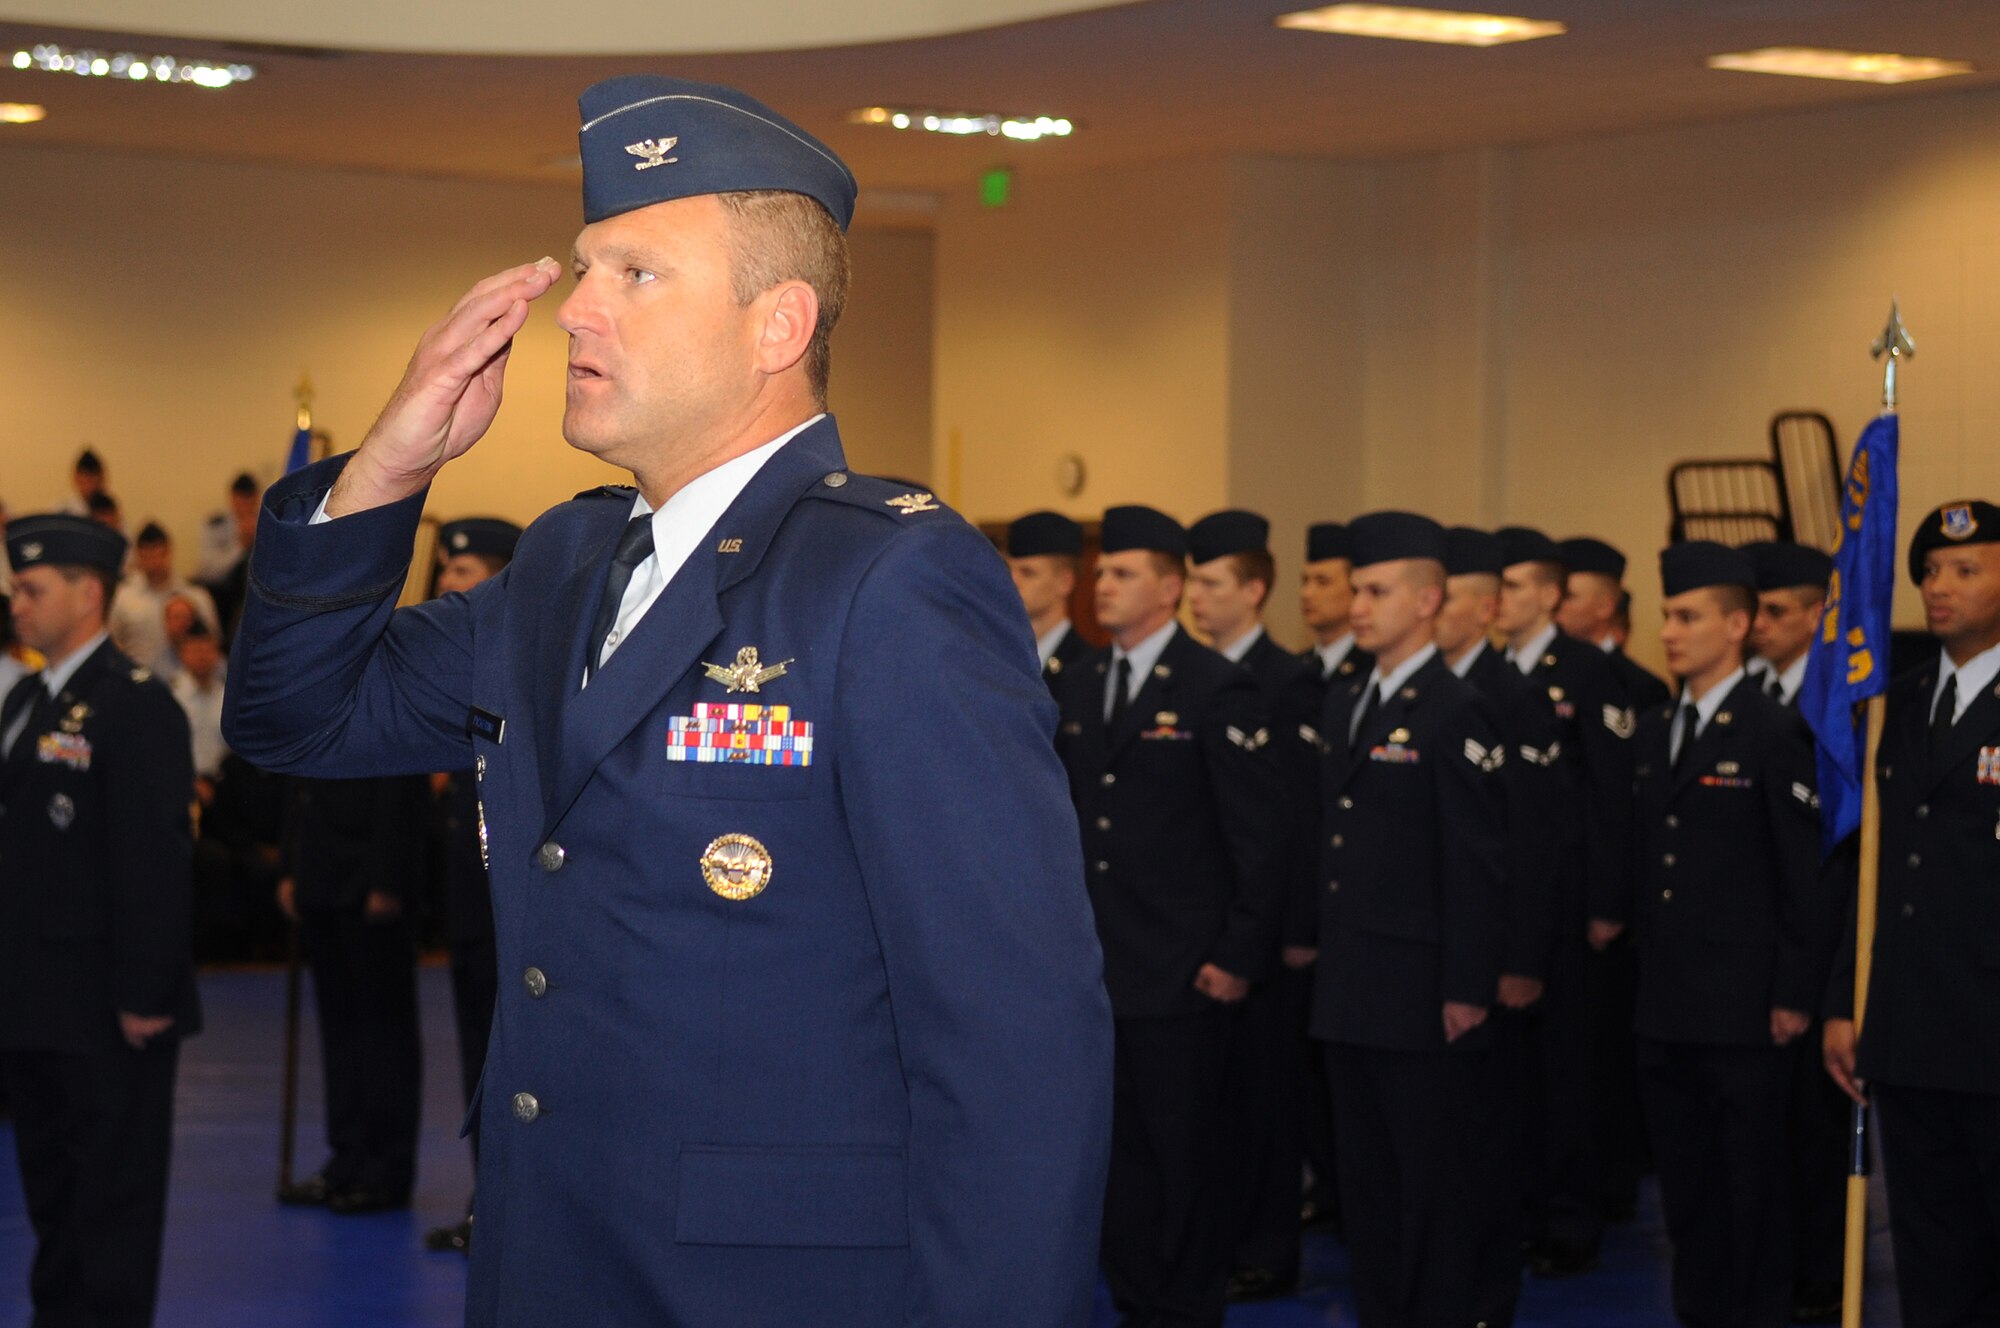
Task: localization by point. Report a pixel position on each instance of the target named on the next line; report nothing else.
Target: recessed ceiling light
(1021, 128)
(20, 112)
(1427, 25)
(1854, 66)
(52, 59)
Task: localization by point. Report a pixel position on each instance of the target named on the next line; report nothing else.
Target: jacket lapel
(1150, 698)
(682, 623)
(1710, 745)
(1966, 736)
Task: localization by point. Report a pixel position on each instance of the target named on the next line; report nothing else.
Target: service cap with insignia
(1695, 564)
(1525, 544)
(1969, 522)
(1584, 554)
(61, 540)
(1327, 540)
(1787, 566)
(1135, 527)
(1469, 552)
(1383, 537)
(487, 536)
(647, 139)
(1040, 533)
(1220, 534)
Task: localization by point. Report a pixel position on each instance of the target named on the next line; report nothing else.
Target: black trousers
(1265, 1124)
(475, 986)
(1567, 1173)
(1164, 1252)
(93, 1134)
(1512, 1156)
(365, 987)
(1412, 1128)
(1941, 1159)
(1821, 1133)
(1717, 1116)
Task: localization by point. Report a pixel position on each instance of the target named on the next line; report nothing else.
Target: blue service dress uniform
(1412, 915)
(1732, 920)
(468, 918)
(95, 919)
(1069, 652)
(1643, 688)
(814, 1036)
(1930, 1045)
(1589, 1083)
(1181, 809)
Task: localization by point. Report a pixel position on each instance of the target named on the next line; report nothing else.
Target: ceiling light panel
(52, 59)
(1853, 66)
(966, 124)
(20, 112)
(1425, 25)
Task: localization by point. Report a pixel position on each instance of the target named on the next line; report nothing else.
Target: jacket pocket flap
(829, 1196)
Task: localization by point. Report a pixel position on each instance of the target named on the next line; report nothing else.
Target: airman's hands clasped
(449, 394)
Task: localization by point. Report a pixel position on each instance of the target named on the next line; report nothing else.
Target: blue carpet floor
(235, 1259)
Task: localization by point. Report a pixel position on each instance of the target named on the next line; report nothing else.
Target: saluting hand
(1836, 1042)
(449, 394)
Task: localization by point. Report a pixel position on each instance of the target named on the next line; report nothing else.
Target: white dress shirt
(1974, 676)
(1237, 649)
(1469, 658)
(55, 676)
(1531, 654)
(1143, 656)
(1046, 643)
(1333, 652)
(1704, 710)
(1386, 687)
(204, 713)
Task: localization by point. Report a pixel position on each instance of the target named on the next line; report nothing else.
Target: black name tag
(485, 724)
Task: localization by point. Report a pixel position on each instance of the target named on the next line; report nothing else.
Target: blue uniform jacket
(877, 1092)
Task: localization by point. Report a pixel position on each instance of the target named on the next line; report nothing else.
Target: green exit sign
(996, 187)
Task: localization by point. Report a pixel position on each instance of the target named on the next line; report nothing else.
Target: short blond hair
(777, 236)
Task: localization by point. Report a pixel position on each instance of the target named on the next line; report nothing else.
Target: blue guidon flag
(1849, 662)
(299, 456)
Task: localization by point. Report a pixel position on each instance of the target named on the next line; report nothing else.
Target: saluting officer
(1045, 553)
(1536, 814)
(1791, 594)
(802, 1018)
(1594, 597)
(1590, 1096)
(473, 551)
(1930, 1046)
(1230, 576)
(1412, 934)
(1170, 761)
(1730, 922)
(96, 966)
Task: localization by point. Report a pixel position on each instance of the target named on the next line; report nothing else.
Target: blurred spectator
(102, 508)
(88, 481)
(198, 687)
(225, 556)
(139, 623)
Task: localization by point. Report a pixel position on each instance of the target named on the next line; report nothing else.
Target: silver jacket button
(526, 1108)
(537, 983)
(549, 857)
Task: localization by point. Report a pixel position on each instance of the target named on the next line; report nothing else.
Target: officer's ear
(790, 316)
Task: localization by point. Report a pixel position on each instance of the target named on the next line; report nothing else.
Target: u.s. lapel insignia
(1957, 522)
(748, 673)
(1162, 672)
(1054, 666)
(652, 152)
(909, 504)
(1549, 660)
(62, 812)
(1409, 693)
(736, 867)
(1724, 717)
(1399, 735)
(730, 546)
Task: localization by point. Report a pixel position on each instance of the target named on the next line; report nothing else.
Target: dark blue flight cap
(1525, 544)
(1134, 527)
(486, 536)
(1584, 554)
(1327, 539)
(1383, 537)
(1969, 522)
(647, 139)
(1695, 564)
(1220, 534)
(61, 540)
(1469, 552)
(1040, 533)
(1785, 566)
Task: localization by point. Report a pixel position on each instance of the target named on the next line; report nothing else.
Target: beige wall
(1517, 335)
(162, 310)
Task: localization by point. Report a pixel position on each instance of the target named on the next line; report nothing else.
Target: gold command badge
(736, 867)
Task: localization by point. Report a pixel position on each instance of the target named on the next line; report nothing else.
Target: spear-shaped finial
(303, 394)
(1894, 345)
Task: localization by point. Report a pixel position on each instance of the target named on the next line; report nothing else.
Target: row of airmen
(1463, 914)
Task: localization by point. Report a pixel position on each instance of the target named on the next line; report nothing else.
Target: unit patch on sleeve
(724, 734)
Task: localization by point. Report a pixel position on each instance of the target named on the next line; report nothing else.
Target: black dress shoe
(457, 1236)
(1259, 1284)
(1819, 1302)
(1554, 1265)
(360, 1199)
(312, 1192)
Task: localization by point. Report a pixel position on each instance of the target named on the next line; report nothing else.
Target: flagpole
(1893, 346)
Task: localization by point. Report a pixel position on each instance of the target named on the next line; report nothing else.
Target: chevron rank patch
(1486, 758)
(1620, 721)
(1249, 742)
(1806, 795)
(718, 733)
(1541, 755)
(1312, 739)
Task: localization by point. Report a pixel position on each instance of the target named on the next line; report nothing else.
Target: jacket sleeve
(1535, 809)
(148, 785)
(1841, 872)
(327, 677)
(1807, 902)
(1252, 804)
(1295, 732)
(1605, 721)
(973, 866)
(1471, 856)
